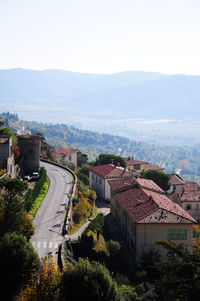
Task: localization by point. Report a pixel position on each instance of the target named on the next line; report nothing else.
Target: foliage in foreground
(44, 283)
(110, 158)
(180, 275)
(18, 260)
(88, 281)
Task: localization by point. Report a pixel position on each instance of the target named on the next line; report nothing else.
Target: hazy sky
(101, 36)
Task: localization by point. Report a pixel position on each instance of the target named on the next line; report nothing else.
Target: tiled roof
(149, 184)
(191, 186)
(190, 196)
(141, 203)
(60, 152)
(110, 171)
(132, 161)
(121, 183)
(174, 180)
(153, 167)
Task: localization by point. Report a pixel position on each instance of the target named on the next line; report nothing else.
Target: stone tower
(30, 146)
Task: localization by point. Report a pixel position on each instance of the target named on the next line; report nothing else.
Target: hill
(171, 158)
(127, 102)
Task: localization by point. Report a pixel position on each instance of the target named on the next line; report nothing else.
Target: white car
(35, 176)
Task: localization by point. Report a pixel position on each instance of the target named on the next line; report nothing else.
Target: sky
(101, 36)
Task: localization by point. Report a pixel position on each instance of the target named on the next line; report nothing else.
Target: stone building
(6, 156)
(30, 147)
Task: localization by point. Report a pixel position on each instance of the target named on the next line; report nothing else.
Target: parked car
(35, 176)
(26, 177)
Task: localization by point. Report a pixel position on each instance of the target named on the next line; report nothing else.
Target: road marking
(50, 245)
(38, 244)
(56, 245)
(44, 244)
(33, 244)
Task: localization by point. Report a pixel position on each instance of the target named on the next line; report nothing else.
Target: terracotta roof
(141, 203)
(174, 180)
(60, 152)
(149, 184)
(132, 161)
(110, 171)
(191, 186)
(121, 183)
(153, 167)
(190, 196)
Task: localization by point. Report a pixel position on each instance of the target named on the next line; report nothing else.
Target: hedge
(33, 194)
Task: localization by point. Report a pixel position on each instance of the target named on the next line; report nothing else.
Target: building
(30, 147)
(99, 176)
(6, 156)
(138, 165)
(135, 165)
(189, 199)
(65, 155)
(176, 184)
(144, 215)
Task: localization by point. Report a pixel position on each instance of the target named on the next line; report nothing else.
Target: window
(188, 206)
(70, 158)
(92, 177)
(177, 234)
(100, 181)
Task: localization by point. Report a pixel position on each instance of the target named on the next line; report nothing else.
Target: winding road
(49, 218)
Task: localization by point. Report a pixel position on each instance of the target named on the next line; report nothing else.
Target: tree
(88, 281)
(18, 260)
(181, 274)
(81, 159)
(158, 176)
(7, 132)
(110, 158)
(12, 213)
(43, 285)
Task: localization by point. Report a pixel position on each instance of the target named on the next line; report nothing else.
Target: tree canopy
(158, 176)
(88, 281)
(110, 158)
(18, 260)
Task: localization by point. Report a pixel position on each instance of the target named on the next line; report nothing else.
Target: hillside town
(141, 213)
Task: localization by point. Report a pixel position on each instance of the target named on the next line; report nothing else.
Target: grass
(40, 197)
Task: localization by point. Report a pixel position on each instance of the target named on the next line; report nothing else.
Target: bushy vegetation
(157, 176)
(33, 194)
(110, 158)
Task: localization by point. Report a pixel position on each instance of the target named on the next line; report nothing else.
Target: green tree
(81, 159)
(181, 274)
(158, 176)
(12, 213)
(110, 158)
(88, 281)
(18, 260)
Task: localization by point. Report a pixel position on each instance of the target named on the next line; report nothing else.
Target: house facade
(99, 176)
(144, 215)
(65, 155)
(138, 165)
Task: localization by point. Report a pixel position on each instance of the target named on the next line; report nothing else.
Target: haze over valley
(140, 105)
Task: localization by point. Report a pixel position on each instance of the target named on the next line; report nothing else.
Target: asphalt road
(49, 218)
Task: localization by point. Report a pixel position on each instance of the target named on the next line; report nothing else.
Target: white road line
(38, 244)
(50, 245)
(44, 244)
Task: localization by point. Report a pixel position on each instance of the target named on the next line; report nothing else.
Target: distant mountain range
(122, 103)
